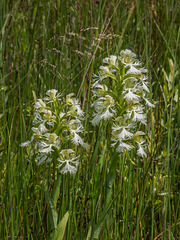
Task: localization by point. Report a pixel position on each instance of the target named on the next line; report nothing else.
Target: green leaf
(56, 190)
(89, 233)
(59, 232)
(96, 231)
(52, 210)
(110, 180)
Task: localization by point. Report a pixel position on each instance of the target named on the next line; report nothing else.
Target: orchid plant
(120, 105)
(124, 102)
(57, 123)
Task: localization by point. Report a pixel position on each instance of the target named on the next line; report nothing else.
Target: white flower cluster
(57, 122)
(124, 101)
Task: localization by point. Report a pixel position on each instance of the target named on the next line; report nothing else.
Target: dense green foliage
(58, 44)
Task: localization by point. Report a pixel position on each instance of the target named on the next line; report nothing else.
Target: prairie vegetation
(107, 194)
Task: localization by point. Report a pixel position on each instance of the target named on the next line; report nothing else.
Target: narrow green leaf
(52, 210)
(89, 233)
(56, 190)
(59, 232)
(97, 230)
(110, 179)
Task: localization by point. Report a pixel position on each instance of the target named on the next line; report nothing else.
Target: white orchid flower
(52, 95)
(68, 161)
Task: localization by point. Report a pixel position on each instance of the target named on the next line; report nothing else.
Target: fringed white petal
(68, 168)
(123, 146)
(131, 96)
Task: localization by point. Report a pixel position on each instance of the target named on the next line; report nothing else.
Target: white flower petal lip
(115, 142)
(123, 146)
(104, 69)
(75, 105)
(100, 90)
(139, 133)
(100, 86)
(103, 102)
(96, 120)
(124, 125)
(141, 151)
(78, 108)
(77, 140)
(25, 144)
(130, 81)
(137, 115)
(130, 62)
(73, 160)
(69, 95)
(104, 109)
(140, 117)
(106, 60)
(35, 130)
(47, 149)
(75, 125)
(50, 140)
(143, 70)
(105, 115)
(133, 70)
(70, 161)
(42, 128)
(98, 103)
(37, 105)
(148, 103)
(68, 168)
(145, 87)
(130, 95)
(124, 134)
(37, 118)
(97, 78)
(42, 144)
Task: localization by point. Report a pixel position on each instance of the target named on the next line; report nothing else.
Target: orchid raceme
(120, 95)
(57, 123)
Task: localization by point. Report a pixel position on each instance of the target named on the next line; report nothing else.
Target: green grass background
(58, 44)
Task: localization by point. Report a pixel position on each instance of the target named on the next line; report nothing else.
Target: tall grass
(60, 44)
